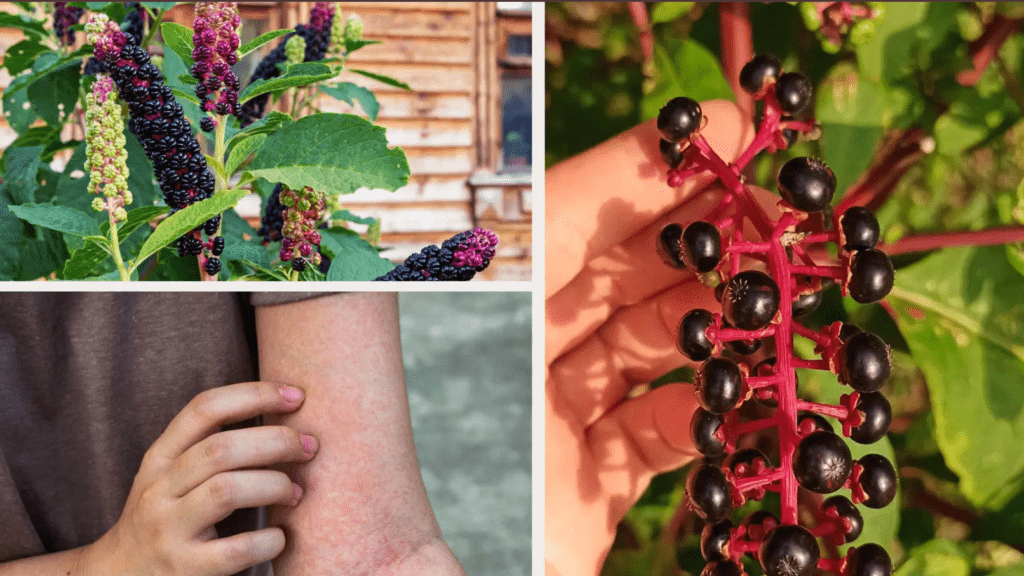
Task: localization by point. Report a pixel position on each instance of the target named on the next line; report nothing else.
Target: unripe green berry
(862, 32)
(809, 12)
(295, 49)
(120, 214)
(353, 28)
(98, 204)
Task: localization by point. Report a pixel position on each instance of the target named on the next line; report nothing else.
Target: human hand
(193, 477)
(612, 311)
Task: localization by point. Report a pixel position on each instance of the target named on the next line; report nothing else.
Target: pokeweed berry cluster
(64, 17)
(832, 21)
(458, 258)
(216, 45)
(301, 215)
(759, 308)
(106, 159)
(317, 36)
(159, 123)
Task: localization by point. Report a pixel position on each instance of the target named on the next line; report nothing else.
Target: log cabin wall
(464, 126)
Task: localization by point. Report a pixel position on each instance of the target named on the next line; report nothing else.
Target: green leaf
(20, 56)
(17, 109)
(382, 78)
(185, 96)
(1012, 570)
(852, 112)
(351, 93)
(352, 258)
(297, 75)
(683, 66)
(669, 11)
(960, 311)
(260, 40)
(350, 217)
(187, 79)
(936, 558)
(333, 153)
(60, 218)
(246, 252)
(352, 45)
(11, 238)
(54, 94)
(162, 6)
(20, 168)
(266, 125)
(20, 22)
(186, 220)
(242, 151)
(179, 38)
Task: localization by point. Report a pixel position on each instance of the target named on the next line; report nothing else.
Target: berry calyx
(865, 362)
(679, 118)
(871, 276)
(822, 462)
(793, 91)
(759, 524)
(877, 480)
(747, 462)
(704, 429)
(693, 340)
(789, 551)
(668, 245)
(858, 229)
(876, 414)
(750, 300)
(763, 68)
(868, 560)
(714, 541)
(709, 493)
(840, 508)
(701, 248)
(719, 385)
(806, 184)
(809, 422)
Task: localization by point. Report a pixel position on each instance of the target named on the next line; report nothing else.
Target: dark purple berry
(791, 137)
(871, 276)
(714, 541)
(859, 228)
(750, 300)
(877, 415)
(806, 303)
(868, 560)
(668, 245)
(671, 153)
(299, 264)
(789, 551)
(709, 493)
(206, 124)
(847, 330)
(212, 266)
(813, 421)
(806, 184)
(878, 480)
(703, 430)
(847, 513)
(822, 462)
(701, 247)
(679, 118)
(763, 68)
(719, 385)
(722, 568)
(693, 340)
(218, 246)
(865, 362)
(793, 91)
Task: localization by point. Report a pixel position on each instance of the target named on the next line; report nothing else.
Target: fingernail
(309, 444)
(298, 494)
(291, 393)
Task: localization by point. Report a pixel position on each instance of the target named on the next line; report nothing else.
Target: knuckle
(242, 551)
(222, 492)
(284, 440)
(217, 450)
(204, 406)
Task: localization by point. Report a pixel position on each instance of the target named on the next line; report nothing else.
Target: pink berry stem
(834, 565)
(812, 364)
(741, 428)
(819, 237)
(836, 272)
(738, 548)
(816, 337)
(731, 334)
(758, 382)
(837, 412)
(741, 247)
(763, 480)
(925, 242)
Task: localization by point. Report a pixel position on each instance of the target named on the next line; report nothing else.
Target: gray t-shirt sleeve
(275, 298)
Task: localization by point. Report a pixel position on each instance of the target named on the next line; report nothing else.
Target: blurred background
(920, 109)
(467, 369)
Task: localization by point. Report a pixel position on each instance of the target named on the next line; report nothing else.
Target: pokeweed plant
(198, 139)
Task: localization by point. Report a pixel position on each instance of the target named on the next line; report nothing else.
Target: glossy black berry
(701, 246)
(742, 462)
(211, 225)
(847, 330)
(806, 303)
(298, 264)
(878, 480)
(693, 341)
(714, 541)
(877, 415)
(812, 421)
(859, 228)
(709, 493)
(871, 276)
(679, 118)
(868, 560)
(218, 246)
(212, 266)
(822, 462)
(848, 515)
(789, 551)
(806, 184)
(671, 153)
(722, 568)
(668, 245)
(704, 428)
(793, 91)
(865, 362)
(750, 300)
(762, 68)
(206, 124)
(719, 385)
(791, 136)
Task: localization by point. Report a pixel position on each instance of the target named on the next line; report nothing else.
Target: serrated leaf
(334, 153)
(187, 79)
(59, 218)
(89, 256)
(20, 168)
(20, 56)
(242, 150)
(684, 67)
(965, 332)
(179, 38)
(382, 78)
(186, 220)
(297, 75)
(352, 93)
(259, 41)
(352, 258)
(185, 96)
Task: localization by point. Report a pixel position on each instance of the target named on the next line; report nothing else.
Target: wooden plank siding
(449, 125)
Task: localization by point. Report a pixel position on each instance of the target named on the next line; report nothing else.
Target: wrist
(433, 558)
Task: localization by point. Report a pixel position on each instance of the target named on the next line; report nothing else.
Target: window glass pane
(520, 45)
(516, 123)
(514, 6)
(245, 67)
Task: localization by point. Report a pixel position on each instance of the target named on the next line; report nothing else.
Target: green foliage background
(958, 382)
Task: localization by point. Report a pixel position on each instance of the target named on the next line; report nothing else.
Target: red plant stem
(837, 272)
(732, 334)
(984, 49)
(786, 393)
(765, 136)
(758, 382)
(741, 247)
(925, 242)
(638, 11)
(737, 48)
(741, 428)
(812, 364)
(738, 548)
(821, 237)
(816, 337)
(827, 528)
(837, 412)
(895, 156)
(834, 565)
(751, 482)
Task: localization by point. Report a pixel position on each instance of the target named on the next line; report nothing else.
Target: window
(516, 123)
(519, 45)
(250, 29)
